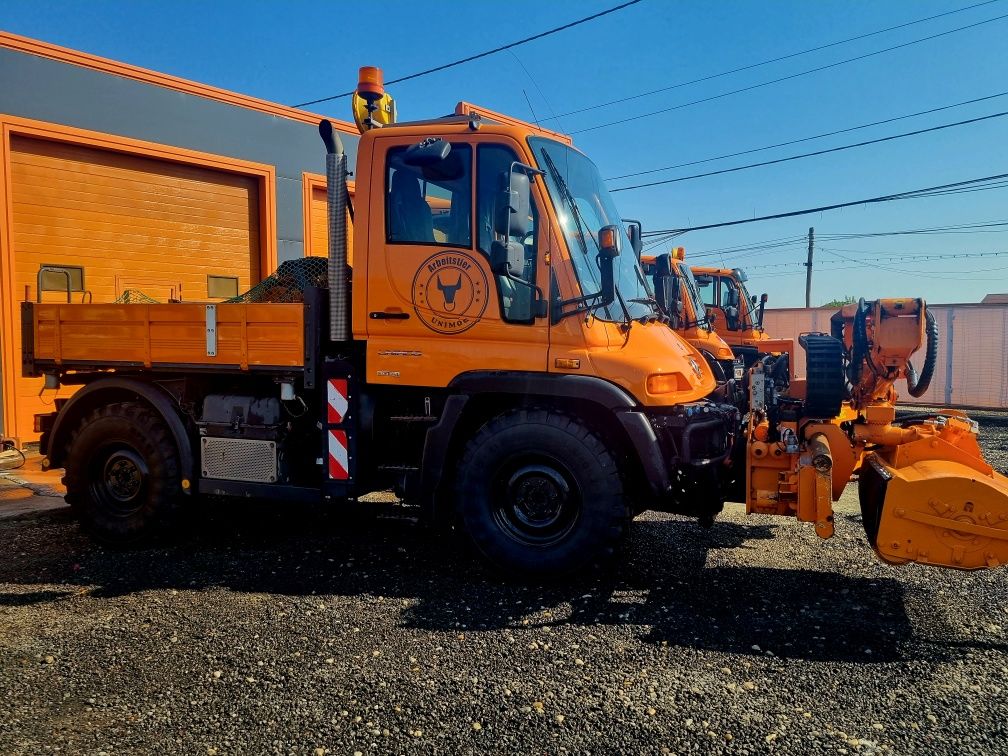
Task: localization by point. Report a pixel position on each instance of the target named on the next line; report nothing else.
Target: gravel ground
(308, 633)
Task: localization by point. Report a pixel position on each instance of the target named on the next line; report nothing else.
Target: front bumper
(682, 450)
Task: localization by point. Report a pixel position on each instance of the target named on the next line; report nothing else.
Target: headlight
(667, 383)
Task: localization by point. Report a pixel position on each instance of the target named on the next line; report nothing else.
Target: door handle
(388, 315)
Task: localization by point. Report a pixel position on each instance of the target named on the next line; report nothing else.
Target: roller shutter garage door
(128, 223)
(317, 233)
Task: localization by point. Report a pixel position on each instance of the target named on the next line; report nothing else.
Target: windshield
(593, 209)
(693, 292)
(748, 306)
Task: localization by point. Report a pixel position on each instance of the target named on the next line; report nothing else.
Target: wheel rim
(119, 479)
(536, 502)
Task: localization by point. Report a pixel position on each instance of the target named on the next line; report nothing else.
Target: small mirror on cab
(507, 258)
(428, 152)
(634, 231)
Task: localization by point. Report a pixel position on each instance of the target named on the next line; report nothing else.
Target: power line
(985, 227)
(746, 250)
(477, 56)
(944, 275)
(911, 194)
(768, 62)
(812, 154)
(808, 139)
(637, 118)
(890, 258)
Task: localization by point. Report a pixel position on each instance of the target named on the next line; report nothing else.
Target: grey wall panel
(48, 90)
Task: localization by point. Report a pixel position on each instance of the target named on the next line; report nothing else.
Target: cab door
(434, 307)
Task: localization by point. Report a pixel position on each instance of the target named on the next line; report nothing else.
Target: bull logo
(449, 292)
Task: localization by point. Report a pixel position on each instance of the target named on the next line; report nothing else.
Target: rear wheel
(122, 474)
(539, 493)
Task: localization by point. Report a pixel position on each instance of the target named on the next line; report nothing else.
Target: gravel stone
(277, 611)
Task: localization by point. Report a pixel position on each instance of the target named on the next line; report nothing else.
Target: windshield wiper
(583, 301)
(653, 303)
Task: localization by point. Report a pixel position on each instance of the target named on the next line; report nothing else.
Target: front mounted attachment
(927, 494)
(947, 507)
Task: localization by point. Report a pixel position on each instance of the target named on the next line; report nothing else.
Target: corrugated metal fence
(972, 369)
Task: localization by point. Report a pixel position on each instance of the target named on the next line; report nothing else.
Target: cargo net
(134, 296)
(289, 282)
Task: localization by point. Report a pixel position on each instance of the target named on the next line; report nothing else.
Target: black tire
(122, 474)
(540, 495)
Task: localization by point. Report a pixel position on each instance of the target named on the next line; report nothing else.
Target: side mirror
(660, 276)
(428, 152)
(609, 249)
(635, 232)
(762, 306)
(514, 204)
(507, 259)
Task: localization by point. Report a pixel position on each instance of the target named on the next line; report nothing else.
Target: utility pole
(808, 268)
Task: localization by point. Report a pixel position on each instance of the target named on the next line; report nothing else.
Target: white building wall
(972, 369)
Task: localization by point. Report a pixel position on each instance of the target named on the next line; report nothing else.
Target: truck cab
(679, 297)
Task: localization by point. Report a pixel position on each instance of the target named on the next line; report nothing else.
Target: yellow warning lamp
(373, 107)
(678, 253)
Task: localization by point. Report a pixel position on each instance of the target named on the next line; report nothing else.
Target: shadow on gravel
(664, 584)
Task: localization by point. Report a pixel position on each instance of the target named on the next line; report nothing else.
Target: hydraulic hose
(859, 343)
(917, 385)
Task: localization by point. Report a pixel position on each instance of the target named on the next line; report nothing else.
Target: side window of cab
(493, 163)
(431, 204)
(708, 286)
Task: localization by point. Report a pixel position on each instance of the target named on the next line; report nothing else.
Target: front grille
(247, 460)
(697, 433)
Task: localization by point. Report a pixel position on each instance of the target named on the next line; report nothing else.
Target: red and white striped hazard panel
(339, 400)
(339, 455)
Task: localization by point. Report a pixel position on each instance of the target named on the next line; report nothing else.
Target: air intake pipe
(339, 271)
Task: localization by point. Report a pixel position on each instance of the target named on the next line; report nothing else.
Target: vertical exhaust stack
(336, 194)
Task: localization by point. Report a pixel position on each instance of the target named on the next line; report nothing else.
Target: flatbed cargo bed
(193, 336)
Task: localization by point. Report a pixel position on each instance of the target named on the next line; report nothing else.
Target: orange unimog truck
(736, 315)
(679, 298)
(489, 348)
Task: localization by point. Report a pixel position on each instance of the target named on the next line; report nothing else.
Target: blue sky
(296, 51)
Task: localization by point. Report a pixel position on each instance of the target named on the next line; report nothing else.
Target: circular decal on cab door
(450, 292)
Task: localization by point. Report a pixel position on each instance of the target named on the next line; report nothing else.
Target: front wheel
(122, 474)
(540, 494)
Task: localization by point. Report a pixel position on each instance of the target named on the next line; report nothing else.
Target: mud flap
(935, 512)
